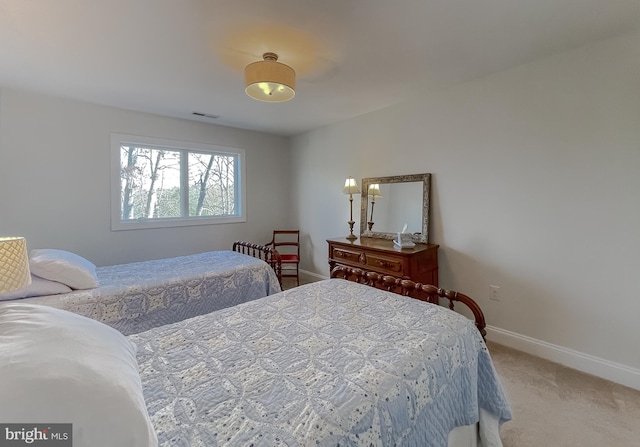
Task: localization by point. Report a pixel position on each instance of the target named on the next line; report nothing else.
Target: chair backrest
(286, 241)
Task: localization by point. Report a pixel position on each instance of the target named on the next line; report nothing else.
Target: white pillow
(38, 287)
(63, 266)
(60, 367)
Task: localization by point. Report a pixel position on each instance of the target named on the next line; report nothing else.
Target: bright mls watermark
(36, 435)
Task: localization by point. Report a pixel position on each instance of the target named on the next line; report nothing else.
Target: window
(164, 183)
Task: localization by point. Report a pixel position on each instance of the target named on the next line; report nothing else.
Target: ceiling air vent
(206, 115)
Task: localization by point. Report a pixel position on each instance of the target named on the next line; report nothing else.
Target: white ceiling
(175, 57)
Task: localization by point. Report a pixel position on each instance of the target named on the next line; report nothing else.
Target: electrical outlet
(494, 293)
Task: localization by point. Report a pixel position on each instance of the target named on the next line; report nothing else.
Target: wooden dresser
(419, 264)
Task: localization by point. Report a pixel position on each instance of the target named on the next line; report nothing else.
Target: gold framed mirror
(390, 203)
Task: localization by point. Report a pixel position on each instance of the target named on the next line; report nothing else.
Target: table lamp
(14, 264)
(351, 188)
(374, 192)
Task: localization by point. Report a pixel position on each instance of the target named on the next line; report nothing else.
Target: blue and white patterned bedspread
(142, 295)
(326, 364)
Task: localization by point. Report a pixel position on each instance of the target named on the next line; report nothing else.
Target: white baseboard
(615, 372)
(315, 275)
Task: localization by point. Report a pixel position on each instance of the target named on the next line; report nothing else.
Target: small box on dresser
(419, 263)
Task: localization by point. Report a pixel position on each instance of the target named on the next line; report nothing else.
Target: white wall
(54, 179)
(535, 188)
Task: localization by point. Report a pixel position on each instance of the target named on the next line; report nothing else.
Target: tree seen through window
(159, 183)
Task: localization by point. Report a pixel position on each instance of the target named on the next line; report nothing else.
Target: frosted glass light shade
(14, 264)
(269, 80)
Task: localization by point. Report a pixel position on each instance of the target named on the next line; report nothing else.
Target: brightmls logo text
(36, 435)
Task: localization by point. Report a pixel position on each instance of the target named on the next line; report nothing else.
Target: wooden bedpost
(267, 254)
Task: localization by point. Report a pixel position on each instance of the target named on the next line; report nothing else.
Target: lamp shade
(269, 80)
(14, 264)
(350, 186)
(374, 191)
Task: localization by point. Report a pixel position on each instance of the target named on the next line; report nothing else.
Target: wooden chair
(287, 244)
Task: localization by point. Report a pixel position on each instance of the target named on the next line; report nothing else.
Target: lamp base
(351, 237)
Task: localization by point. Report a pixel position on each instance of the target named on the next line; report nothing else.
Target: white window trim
(117, 139)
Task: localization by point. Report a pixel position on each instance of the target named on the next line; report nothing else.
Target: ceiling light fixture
(269, 80)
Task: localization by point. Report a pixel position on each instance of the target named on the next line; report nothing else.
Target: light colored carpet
(557, 406)
(289, 283)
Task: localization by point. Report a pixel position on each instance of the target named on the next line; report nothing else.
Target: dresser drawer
(419, 263)
(390, 265)
(359, 258)
(348, 256)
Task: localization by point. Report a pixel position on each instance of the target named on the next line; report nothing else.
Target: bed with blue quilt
(331, 363)
(138, 296)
